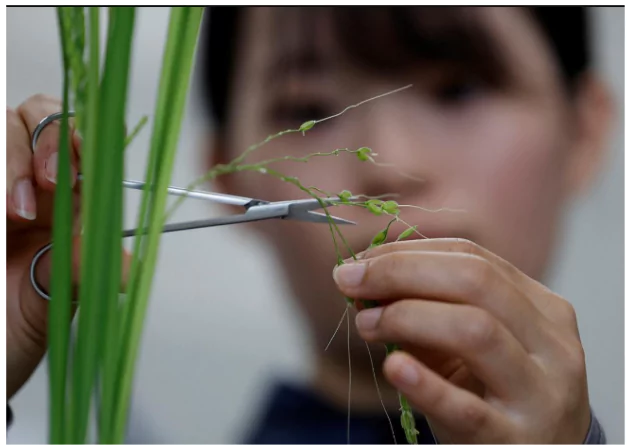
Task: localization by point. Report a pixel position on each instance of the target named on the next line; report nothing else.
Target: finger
(538, 291)
(451, 277)
(485, 345)
(21, 199)
(45, 158)
(456, 410)
(44, 267)
(555, 308)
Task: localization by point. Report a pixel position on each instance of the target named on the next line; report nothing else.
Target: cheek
(514, 179)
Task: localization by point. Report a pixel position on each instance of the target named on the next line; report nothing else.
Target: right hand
(30, 195)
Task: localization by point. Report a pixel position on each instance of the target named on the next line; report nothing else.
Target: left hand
(489, 354)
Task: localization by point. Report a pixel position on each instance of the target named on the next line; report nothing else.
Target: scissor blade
(219, 198)
(302, 210)
(304, 205)
(291, 210)
(316, 217)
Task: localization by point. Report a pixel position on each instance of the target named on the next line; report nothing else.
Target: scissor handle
(33, 266)
(43, 123)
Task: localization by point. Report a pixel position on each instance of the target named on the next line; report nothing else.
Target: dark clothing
(296, 415)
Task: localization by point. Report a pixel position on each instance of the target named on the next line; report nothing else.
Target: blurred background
(219, 324)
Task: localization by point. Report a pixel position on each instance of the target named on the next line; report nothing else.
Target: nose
(391, 131)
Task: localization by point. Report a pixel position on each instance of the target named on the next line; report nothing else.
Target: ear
(593, 115)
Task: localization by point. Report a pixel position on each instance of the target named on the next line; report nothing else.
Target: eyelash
(456, 91)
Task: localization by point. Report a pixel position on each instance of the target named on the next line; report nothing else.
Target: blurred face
(497, 141)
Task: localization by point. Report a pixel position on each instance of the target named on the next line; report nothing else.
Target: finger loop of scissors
(43, 124)
(33, 266)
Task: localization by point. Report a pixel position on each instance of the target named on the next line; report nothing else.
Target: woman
(504, 121)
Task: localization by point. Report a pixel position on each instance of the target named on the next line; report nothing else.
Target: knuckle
(476, 275)
(11, 115)
(36, 101)
(465, 246)
(386, 268)
(480, 331)
(575, 362)
(394, 321)
(14, 124)
(567, 311)
(473, 417)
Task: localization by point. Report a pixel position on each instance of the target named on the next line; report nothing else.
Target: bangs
(385, 40)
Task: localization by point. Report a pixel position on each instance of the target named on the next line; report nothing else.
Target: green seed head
(363, 152)
(390, 207)
(407, 421)
(379, 238)
(307, 126)
(406, 233)
(345, 196)
(374, 208)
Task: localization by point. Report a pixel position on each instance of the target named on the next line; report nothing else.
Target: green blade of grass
(59, 316)
(155, 155)
(165, 84)
(104, 224)
(142, 122)
(189, 20)
(111, 304)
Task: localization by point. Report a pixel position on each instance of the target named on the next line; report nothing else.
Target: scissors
(255, 209)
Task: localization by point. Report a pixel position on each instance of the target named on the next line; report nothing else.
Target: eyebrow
(296, 62)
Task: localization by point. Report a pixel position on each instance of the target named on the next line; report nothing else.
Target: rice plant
(98, 364)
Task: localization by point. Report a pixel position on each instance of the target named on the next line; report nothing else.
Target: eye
(457, 91)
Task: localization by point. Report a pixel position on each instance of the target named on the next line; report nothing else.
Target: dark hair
(427, 33)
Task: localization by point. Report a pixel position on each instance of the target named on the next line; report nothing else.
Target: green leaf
(142, 122)
(61, 277)
(176, 72)
(97, 324)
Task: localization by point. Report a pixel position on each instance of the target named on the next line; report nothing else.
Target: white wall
(218, 322)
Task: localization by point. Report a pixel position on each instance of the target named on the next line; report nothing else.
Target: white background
(219, 323)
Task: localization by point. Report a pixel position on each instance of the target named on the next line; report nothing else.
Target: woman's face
(500, 157)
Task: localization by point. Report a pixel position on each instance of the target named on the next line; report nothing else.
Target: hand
(489, 355)
(30, 192)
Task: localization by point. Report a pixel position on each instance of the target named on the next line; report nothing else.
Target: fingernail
(368, 319)
(24, 199)
(349, 275)
(51, 168)
(358, 257)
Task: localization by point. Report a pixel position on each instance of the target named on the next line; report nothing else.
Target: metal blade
(320, 218)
